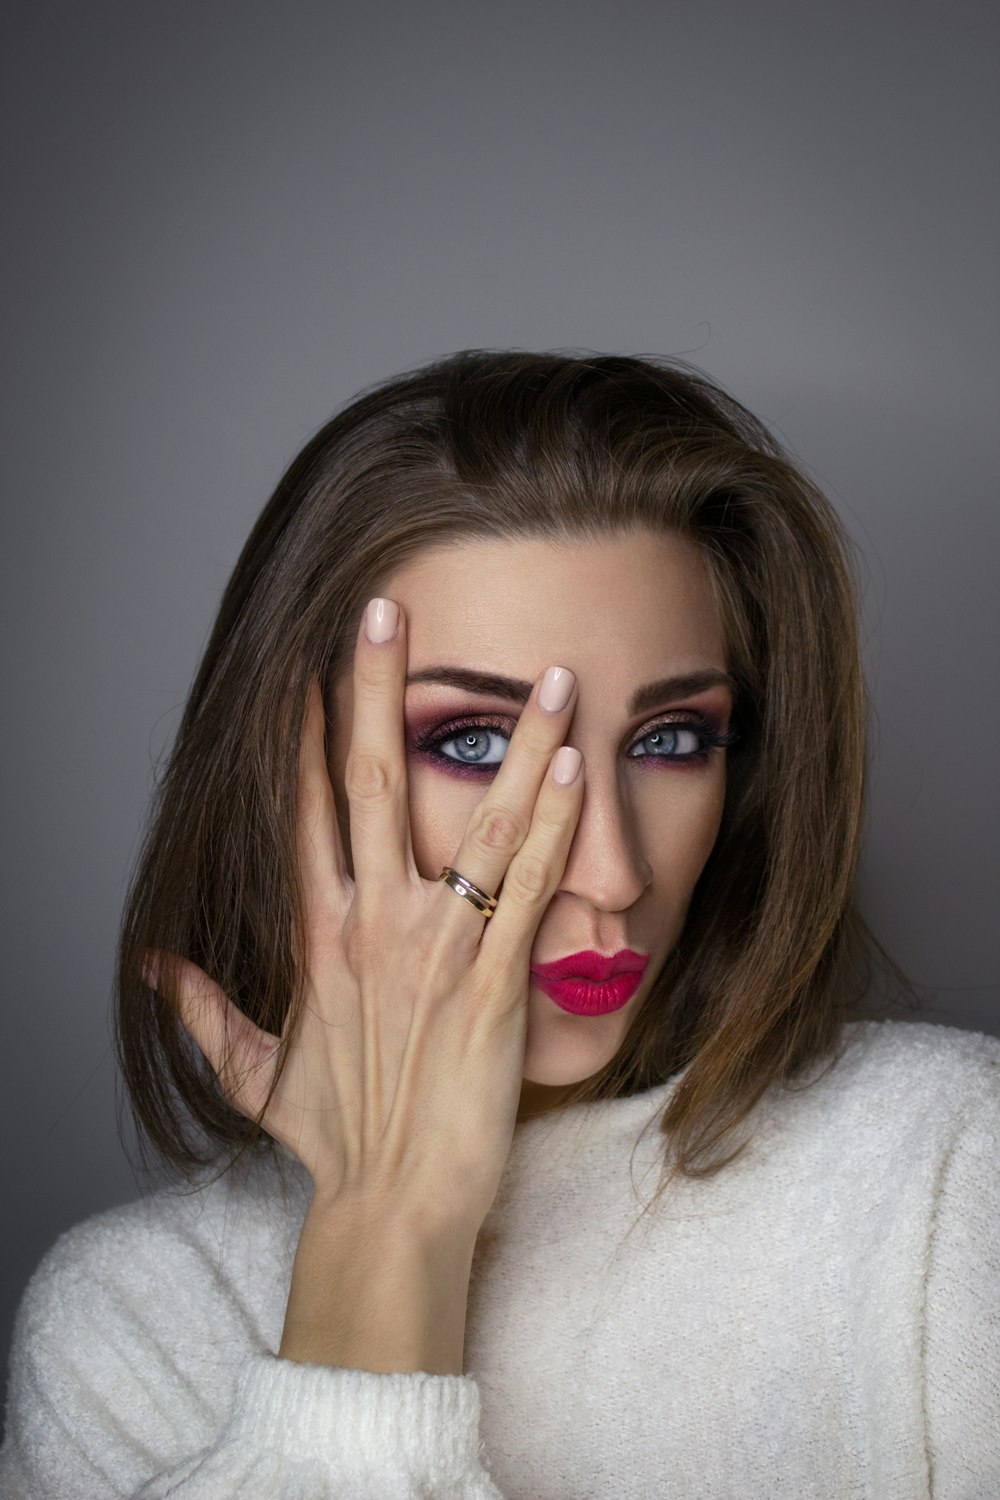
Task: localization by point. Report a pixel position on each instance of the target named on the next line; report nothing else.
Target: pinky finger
(534, 873)
(242, 1056)
(566, 765)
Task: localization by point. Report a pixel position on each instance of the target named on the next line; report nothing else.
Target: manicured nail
(557, 684)
(381, 619)
(566, 765)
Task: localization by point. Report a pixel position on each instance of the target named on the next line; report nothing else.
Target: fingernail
(566, 765)
(557, 684)
(381, 619)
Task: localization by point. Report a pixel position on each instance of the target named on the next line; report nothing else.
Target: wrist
(395, 1223)
(378, 1290)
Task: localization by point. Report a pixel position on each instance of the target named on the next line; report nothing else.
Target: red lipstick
(589, 983)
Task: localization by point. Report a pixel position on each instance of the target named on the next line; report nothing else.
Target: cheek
(681, 825)
(440, 808)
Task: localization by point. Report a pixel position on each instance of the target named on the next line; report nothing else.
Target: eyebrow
(495, 685)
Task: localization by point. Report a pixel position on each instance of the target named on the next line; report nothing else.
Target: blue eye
(673, 742)
(468, 746)
(475, 745)
(480, 743)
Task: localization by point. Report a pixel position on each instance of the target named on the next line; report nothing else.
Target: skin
(620, 613)
(422, 1041)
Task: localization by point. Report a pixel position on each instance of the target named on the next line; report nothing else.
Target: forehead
(633, 605)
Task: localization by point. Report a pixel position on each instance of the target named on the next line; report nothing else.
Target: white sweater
(822, 1319)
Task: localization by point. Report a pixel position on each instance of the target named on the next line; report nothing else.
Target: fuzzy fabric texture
(821, 1319)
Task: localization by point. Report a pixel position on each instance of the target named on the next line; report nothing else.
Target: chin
(570, 1049)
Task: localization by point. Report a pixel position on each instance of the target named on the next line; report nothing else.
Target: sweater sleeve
(305, 1432)
(99, 1409)
(962, 1328)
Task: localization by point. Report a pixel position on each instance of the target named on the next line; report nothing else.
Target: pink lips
(591, 965)
(590, 984)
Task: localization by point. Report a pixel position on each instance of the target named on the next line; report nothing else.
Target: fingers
(322, 865)
(239, 1053)
(524, 825)
(375, 772)
(536, 869)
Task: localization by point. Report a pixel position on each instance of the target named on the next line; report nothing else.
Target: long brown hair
(773, 958)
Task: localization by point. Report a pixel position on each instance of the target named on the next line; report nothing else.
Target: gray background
(225, 218)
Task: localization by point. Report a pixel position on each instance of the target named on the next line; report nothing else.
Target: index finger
(375, 778)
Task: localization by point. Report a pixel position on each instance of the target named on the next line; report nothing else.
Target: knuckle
(536, 737)
(496, 828)
(369, 778)
(529, 877)
(554, 817)
(377, 677)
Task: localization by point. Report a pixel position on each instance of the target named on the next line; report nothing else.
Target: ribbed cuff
(357, 1421)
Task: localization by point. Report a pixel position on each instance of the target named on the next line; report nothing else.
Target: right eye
(473, 743)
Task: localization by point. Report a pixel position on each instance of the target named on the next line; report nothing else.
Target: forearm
(370, 1292)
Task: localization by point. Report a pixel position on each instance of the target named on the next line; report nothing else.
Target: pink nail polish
(566, 765)
(381, 619)
(557, 685)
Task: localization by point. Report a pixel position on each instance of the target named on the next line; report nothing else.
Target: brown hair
(773, 958)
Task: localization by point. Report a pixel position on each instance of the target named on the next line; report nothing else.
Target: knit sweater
(820, 1319)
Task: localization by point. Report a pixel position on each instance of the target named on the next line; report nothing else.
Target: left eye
(670, 741)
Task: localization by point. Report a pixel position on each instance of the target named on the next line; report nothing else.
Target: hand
(403, 1075)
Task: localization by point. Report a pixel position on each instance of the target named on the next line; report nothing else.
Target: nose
(606, 865)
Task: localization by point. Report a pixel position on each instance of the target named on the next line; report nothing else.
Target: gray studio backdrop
(224, 219)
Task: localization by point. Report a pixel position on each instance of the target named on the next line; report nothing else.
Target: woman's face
(623, 614)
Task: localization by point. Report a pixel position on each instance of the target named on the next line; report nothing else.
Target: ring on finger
(471, 893)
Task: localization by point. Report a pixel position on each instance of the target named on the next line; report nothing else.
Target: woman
(456, 905)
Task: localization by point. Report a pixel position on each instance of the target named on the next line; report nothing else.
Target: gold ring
(469, 892)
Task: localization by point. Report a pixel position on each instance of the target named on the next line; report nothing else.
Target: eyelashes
(680, 742)
(477, 727)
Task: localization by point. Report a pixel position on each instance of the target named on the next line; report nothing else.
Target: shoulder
(161, 1272)
(896, 1097)
(137, 1319)
(919, 1065)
